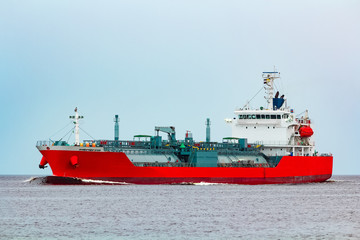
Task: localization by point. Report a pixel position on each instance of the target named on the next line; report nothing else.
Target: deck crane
(169, 130)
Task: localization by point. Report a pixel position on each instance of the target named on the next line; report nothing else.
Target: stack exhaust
(207, 130)
(116, 128)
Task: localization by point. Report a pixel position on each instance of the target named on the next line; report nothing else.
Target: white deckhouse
(274, 129)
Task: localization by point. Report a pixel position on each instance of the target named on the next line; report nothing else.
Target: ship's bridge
(261, 115)
(265, 126)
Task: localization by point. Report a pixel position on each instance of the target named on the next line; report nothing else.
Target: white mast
(269, 78)
(76, 122)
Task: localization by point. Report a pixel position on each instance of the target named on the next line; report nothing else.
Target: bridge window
(267, 116)
(278, 116)
(257, 116)
(273, 116)
(262, 116)
(253, 116)
(240, 116)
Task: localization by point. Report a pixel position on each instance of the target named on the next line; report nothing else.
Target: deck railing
(182, 164)
(44, 143)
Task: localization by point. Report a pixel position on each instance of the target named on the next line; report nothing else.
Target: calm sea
(34, 210)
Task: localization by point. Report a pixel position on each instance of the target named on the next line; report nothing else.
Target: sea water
(31, 209)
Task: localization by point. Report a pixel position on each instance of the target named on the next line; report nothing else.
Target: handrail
(182, 164)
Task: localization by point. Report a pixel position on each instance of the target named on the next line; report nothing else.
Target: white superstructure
(275, 129)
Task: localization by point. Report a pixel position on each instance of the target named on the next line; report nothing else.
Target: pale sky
(174, 63)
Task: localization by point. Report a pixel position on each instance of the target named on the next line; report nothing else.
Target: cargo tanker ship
(268, 146)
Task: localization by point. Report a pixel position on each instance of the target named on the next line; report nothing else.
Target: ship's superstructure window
(263, 116)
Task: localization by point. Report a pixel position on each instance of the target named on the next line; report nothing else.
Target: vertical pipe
(208, 130)
(116, 128)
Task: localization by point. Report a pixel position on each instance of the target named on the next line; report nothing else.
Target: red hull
(112, 166)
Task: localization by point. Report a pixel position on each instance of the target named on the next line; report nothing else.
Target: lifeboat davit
(43, 162)
(306, 131)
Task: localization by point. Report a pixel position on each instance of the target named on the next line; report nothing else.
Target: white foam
(102, 182)
(337, 180)
(30, 179)
(206, 184)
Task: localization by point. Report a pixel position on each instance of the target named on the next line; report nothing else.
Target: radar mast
(269, 78)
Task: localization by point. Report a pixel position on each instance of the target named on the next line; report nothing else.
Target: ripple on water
(32, 209)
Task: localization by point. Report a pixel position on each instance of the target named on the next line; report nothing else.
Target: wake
(54, 180)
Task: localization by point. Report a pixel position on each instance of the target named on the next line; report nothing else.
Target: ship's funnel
(277, 103)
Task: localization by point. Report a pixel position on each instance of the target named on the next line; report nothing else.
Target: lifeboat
(306, 131)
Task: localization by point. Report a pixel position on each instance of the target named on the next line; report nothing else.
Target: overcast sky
(173, 63)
